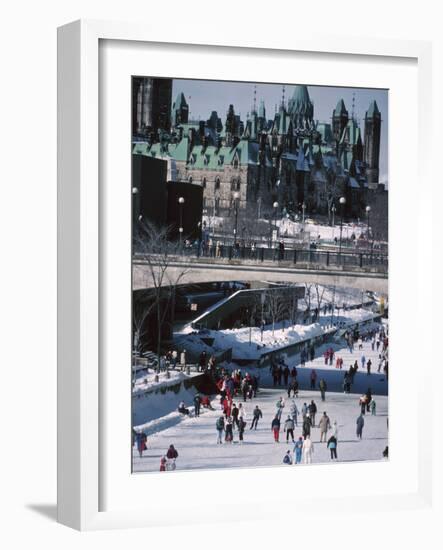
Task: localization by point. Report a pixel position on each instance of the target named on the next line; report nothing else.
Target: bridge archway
(205, 272)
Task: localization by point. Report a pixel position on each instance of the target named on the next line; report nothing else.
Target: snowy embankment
(146, 381)
(155, 404)
(251, 344)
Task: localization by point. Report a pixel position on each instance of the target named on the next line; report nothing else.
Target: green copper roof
(340, 109)
(180, 101)
(300, 102)
(373, 109)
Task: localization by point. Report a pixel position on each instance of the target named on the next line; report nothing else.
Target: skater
(294, 412)
(241, 412)
(298, 447)
(220, 427)
(241, 429)
(279, 374)
(306, 427)
(335, 429)
(163, 462)
(368, 367)
(172, 453)
(182, 409)
(360, 423)
(228, 430)
(303, 357)
(141, 440)
(286, 374)
(234, 414)
(275, 427)
(312, 353)
(197, 402)
(332, 446)
(287, 459)
(368, 399)
(304, 410)
(308, 450)
(373, 407)
(312, 412)
(289, 429)
(363, 361)
(183, 360)
(323, 387)
(256, 415)
(324, 426)
(313, 379)
(363, 401)
(280, 406)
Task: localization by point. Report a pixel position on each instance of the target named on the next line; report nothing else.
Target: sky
(204, 96)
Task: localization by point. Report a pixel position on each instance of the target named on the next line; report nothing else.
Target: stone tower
(180, 110)
(151, 105)
(372, 142)
(340, 119)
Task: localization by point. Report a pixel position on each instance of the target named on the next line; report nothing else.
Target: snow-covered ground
(291, 228)
(325, 232)
(195, 438)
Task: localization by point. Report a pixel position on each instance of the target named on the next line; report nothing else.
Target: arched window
(190, 179)
(217, 183)
(204, 183)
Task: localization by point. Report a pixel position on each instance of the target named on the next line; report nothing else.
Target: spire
(254, 108)
(373, 110)
(353, 106)
(340, 109)
(301, 102)
(283, 96)
(261, 109)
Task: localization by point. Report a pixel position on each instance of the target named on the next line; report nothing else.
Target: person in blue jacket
(298, 448)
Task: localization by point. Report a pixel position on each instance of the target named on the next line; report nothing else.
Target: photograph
(260, 304)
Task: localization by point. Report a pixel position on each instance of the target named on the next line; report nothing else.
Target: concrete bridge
(204, 269)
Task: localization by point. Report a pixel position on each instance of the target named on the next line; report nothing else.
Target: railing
(321, 258)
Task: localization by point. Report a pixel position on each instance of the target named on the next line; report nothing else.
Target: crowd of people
(235, 389)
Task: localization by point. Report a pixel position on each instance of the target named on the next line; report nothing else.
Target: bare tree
(277, 306)
(319, 293)
(157, 251)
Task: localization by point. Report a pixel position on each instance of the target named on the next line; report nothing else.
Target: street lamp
(303, 207)
(342, 201)
(275, 207)
(236, 197)
(181, 202)
(368, 210)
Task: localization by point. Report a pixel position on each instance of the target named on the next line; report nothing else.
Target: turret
(340, 119)
(372, 142)
(180, 110)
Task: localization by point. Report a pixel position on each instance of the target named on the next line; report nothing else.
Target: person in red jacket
(163, 464)
(172, 452)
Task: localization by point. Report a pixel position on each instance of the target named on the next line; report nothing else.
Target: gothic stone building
(292, 159)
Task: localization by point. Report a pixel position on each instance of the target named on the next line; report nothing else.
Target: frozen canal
(195, 438)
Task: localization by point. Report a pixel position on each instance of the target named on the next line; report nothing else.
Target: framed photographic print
(232, 251)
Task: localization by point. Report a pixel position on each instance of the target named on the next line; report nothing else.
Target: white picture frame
(83, 261)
